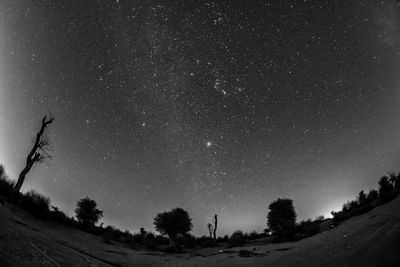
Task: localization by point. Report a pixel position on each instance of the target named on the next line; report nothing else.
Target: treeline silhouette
(281, 218)
(174, 226)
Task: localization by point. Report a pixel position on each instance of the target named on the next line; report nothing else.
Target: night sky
(217, 107)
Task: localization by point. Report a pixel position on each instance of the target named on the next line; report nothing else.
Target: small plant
(236, 239)
(36, 204)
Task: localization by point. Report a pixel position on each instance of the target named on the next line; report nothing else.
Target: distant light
(209, 144)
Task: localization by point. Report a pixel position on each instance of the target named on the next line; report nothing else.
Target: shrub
(206, 242)
(372, 195)
(223, 239)
(36, 204)
(60, 217)
(6, 185)
(236, 239)
(362, 198)
(254, 235)
(107, 237)
(110, 233)
(385, 189)
(245, 253)
(162, 240)
(187, 240)
(150, 241)
(307, 228)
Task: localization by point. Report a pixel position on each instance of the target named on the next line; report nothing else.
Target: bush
(307, 228)
(162, 240)
(245, 253)
(223, 239)
(372, 195)
(206, 242)
(187, 240)
(111, 233)
(107, 237)
(6, 185)
(150, 241)
(236, 239)
(36, 204)
(60, 217)
(385, 189)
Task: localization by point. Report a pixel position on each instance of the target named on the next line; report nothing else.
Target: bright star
(209, 144)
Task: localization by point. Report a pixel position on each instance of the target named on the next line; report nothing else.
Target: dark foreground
(371, 239)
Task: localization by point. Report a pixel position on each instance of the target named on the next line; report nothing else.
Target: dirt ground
(372, 239)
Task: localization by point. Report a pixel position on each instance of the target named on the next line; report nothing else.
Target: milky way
(218, 107)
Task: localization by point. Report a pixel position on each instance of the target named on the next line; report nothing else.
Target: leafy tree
(372, 195)
(87, 213)
(39, 152)
(385, 188)
(282, 219)
(362, 198)
(172, 223)
(395, 180)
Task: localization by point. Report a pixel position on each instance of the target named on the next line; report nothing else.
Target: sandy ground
(372, 239)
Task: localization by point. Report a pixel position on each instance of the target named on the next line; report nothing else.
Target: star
(209, 144)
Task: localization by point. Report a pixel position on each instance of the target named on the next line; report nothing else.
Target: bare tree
(39, 152)
(215, 226)
(210, 229)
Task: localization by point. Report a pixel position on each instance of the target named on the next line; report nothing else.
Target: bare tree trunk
(41, 143)
(210, 229)
(21, 178)
(215, 226)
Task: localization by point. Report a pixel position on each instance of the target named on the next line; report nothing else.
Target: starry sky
(218, 107)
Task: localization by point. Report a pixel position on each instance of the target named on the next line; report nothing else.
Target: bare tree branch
(40, 151)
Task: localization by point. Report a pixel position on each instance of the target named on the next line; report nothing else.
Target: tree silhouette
(87, 213)
(385, 188)
(210, 229)
(2, 171)
(39, 152)
(282, 219)
(172, 223)
(395, 180)
(372, 195)
(362, 198)
(215, 226)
